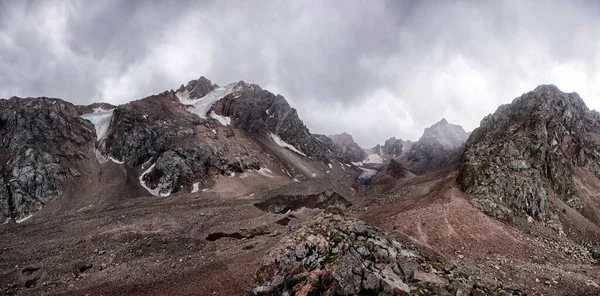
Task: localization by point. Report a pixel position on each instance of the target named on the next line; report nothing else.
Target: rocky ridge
(534, 155)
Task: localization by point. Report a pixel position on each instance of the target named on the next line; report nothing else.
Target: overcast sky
(374, 69)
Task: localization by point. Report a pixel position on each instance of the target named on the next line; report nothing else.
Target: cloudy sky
(374, 69)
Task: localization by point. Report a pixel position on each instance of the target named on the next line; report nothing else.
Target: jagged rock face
(527, 151)
(260, 113)
(197, 88)
(338, 256)
(347, 148)
(440, 147)
(179, 167)
(135, 137)
(38, 139)
(393, 147)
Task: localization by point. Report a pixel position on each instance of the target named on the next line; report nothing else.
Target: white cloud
(373, 69)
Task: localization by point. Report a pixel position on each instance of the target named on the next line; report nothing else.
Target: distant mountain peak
(447, 134)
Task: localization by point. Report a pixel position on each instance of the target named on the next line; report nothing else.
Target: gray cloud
(375, 69)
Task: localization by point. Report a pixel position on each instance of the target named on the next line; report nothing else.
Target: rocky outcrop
(338, 256)
(540, 146)
(39, 138)
(393, 147)
(347, 148)
(179, 167)
(440, 147)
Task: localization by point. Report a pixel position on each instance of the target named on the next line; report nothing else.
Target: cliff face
(532, 155)
(39, 138)
(347, 148)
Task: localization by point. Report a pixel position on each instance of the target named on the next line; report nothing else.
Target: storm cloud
(374, 69)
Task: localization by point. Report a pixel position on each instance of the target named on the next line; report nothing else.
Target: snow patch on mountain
(200, 106)
(282, 143)
(24, 219)
(116, 160)
(265, 172)
(100, 118)
(224, 120)
(195, 187)
(373, 158)
(158, 189)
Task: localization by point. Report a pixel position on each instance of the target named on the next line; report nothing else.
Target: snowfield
(373, 158)
(200, 106)
(283, 144)
(196, 187)
(224, 120)
(155, 192)
(100, 118)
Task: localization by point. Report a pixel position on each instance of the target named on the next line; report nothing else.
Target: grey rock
(347, 148)
(536, 145)
(440, 147)
(351, 268)
(38, 136)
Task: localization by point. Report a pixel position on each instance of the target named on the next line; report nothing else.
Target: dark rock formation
(38, 139)
(396, 169)
(197, 88)
(261, 113)
(347, 148)
(181, 166)
(544, 144)
(393, 147)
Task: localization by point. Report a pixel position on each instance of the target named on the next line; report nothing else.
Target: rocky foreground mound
(335, 255)
(535, 155)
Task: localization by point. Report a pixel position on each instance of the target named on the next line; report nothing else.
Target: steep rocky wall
(527, 150)
(261, 112)
(39, 138)
(347, 148)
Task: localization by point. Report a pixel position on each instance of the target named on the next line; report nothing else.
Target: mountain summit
(446, 134)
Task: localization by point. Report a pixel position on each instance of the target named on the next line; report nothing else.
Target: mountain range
(222, 190)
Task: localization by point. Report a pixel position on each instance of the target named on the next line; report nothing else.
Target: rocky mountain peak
(196, 88)
(447, 134)
(440, 147)
(347, 148)
(534, 155)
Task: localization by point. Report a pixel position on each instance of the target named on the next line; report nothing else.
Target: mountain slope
(537, 157)
(175, 141)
